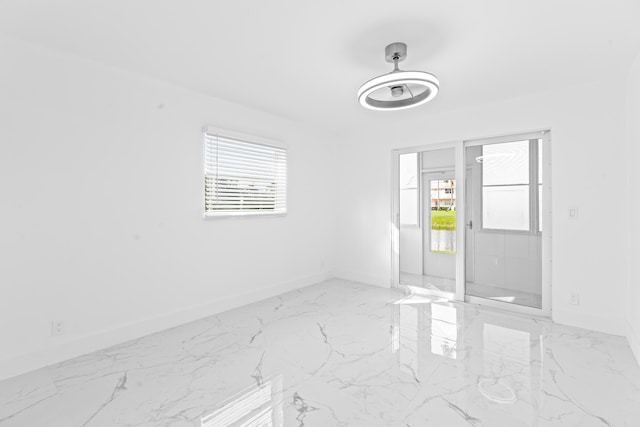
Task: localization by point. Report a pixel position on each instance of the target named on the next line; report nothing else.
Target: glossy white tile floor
(428, 282)
(341, 354)
(441, 284)
(511, 296)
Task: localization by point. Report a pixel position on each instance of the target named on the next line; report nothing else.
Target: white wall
(633, 148)
(101, 184)
(588, 153)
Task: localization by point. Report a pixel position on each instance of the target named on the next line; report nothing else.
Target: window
(409, 189)
(511, 185)
(243, 176)
(443, 216)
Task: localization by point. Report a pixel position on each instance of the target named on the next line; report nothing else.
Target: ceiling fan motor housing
(395, 52)
(398, 89)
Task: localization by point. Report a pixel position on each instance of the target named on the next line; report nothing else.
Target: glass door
(427, 194)
(504, 221)
(472, 221)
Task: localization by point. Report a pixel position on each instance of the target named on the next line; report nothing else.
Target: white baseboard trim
(587, 321)
(354, 276)
(79, 345)
(634, 341)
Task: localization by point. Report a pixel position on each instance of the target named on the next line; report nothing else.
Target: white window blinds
(243, 177)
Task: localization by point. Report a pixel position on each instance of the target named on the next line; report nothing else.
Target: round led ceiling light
(398, 89)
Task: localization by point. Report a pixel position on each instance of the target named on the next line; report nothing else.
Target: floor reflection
(259, 406)
(507, 358)
(444, 330)
(493, 359)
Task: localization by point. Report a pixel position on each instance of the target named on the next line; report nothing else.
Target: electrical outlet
(57, 328)
(574, 298)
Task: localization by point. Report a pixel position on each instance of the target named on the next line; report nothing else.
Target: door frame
(395, 216)
(545, 309)
(460, 174)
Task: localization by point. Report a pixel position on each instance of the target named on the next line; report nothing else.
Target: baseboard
(587, 321)
(354, 276)
(634, 341)
(78, 346)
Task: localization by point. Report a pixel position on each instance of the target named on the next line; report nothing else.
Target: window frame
(534, 185)
(418, 189)
(442, 175)
(248, 139)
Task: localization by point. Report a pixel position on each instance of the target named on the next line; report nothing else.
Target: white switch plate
(573, 213)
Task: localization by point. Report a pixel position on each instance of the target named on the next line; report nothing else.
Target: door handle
(470, 224)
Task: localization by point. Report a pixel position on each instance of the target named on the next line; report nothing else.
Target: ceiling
(305, 60)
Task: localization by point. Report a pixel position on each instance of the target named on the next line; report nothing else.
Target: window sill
(243, 216)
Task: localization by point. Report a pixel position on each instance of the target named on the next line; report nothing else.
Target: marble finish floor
(433, 283)
(341, 354)
(511, 296)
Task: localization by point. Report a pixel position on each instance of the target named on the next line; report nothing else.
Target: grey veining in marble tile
(341, 354)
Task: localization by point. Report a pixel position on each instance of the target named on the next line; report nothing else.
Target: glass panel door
(427, 221)
(472, 221)
(503, 241)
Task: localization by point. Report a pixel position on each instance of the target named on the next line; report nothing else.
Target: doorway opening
(428, 221)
